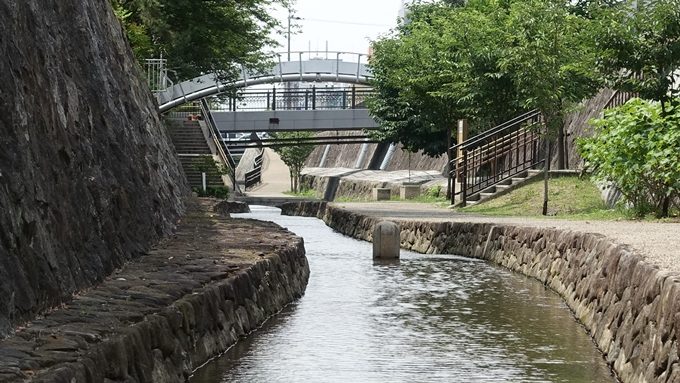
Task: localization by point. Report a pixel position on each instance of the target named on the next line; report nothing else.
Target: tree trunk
(560, 143)
(546, 169)
(665, 207)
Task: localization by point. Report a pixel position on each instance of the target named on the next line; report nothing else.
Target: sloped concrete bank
(167, 313)
(631, 309)
(331, 184)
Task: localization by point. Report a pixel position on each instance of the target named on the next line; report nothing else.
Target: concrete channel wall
(631, 309)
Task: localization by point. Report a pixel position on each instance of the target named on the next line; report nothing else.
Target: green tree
(640, 44)
(294, 154)
(638, 148)
(550, 61)
(200, 36)
(440, 67)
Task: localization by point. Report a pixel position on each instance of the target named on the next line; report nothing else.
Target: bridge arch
(331, 68)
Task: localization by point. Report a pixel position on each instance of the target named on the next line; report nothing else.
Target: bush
(221, 192)
(637, 147)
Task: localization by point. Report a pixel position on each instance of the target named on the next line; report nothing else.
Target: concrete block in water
(381, 194)
(386, 240)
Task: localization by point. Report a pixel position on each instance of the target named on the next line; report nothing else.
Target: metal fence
(157, 74)
(297, 99)
(254, 176)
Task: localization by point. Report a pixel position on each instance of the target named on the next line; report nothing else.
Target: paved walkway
(275, 177)
(659, 243)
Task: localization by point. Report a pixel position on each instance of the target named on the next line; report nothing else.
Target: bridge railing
(297, 99)
(303, 67)
(497, 155)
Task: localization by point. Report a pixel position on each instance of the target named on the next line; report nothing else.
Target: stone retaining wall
(631, 309)
(89, 178)
(160, 318)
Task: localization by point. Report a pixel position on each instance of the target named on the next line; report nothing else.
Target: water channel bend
(429, 318)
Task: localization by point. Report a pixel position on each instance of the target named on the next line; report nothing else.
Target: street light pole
(287, 85)
(290, 17)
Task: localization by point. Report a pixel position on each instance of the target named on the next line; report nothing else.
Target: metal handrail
(496, 155)
(222, 149)
(493, 131)
(254, 176)
(299, 99)
(619, 98)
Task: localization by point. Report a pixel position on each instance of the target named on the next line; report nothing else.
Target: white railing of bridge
(309, 67)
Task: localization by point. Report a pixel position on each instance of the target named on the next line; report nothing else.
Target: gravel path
(658, 243)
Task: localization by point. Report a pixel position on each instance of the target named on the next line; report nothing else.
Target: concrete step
(484, 195)
(516, 180)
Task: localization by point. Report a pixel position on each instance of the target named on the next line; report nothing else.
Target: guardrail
(297, 99)
(254, 177)
(497, 155)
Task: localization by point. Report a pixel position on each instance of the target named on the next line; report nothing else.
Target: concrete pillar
(362, 156)
(386, 240)
(324, 156)
(388, 156)
(409, 191)
(382, 194)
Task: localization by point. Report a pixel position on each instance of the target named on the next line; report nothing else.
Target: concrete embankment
(630, 308)
(164, 314)
(331, 184)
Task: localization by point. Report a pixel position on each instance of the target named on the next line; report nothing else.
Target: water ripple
(429, 318)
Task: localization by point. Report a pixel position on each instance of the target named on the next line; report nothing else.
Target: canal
(429, 318)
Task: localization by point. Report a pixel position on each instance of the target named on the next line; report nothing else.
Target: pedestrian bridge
(271, 110)
(337, 67)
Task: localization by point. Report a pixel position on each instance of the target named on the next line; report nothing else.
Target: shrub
(637, 147)
(221, 192)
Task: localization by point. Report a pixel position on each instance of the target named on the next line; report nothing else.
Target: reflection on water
(428, 318)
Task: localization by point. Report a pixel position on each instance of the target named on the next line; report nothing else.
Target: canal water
(429, 318)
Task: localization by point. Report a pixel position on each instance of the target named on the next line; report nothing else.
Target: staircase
(503, 187)
(497, 160)
(192, 147)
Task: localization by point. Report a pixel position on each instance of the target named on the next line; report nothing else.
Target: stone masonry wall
(631, 309)
(169, 346)
(162, 316)
(88, 176)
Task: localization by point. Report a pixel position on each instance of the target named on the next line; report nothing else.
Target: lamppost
(290, 17)
(287, 86)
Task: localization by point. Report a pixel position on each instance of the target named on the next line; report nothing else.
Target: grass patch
(306, 193)
(568, 197)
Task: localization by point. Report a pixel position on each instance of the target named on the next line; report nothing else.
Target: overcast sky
(347, 25)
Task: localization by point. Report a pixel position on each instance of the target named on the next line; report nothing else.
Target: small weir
(426, 318)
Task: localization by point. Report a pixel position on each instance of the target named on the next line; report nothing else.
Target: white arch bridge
(338, 67)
